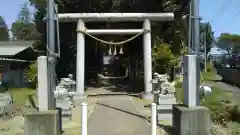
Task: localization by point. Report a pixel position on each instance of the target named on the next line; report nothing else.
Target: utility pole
(50, 51)
(190, 29)
(195, 26)
(195, 33)
(205, 49)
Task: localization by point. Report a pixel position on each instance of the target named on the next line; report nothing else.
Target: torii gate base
(120, 17)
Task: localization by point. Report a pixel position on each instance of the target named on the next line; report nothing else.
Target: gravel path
(226, 87)
(117, 116)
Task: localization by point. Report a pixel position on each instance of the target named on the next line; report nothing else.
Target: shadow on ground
(115, 94)
(168, 129)
(126, 85)
(134, 114)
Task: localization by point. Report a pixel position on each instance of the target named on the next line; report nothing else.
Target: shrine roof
(11, 48)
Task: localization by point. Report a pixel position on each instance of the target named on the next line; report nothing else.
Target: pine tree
(24, 14)
(4, 36)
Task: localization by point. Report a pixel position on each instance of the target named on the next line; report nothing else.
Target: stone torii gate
(114, 17)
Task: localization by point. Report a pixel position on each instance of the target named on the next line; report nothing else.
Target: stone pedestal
(41, 123)
(65, 108)
(191, 121)
(165, 107)
(166, 100)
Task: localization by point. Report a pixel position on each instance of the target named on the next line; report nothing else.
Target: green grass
(223, 107)
(205, 77)
(214, 101)
(179, 92)
(20, 95)
(210, 75)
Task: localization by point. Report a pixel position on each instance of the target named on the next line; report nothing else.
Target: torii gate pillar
(147, 56)
(80, 67)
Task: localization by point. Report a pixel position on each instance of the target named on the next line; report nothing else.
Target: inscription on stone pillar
(41, 123)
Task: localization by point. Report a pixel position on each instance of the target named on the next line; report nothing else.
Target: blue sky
(209, 11)
(9, 10)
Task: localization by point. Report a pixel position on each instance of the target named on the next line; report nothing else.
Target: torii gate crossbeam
(116, 17)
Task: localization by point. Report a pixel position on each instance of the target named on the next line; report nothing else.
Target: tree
(163, 58)
(229, 37)
(31, 73)
(24, 14)
(206, 28)
(229, 42)
(24, 28)
(24, 31)
(4, 36)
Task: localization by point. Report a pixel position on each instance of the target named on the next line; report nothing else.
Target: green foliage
(24, 31)
(206, 28)
(31, 73)
(222, 108)
(179, 91)
(229, 42)
(20, 95)
(210, 75)
(4, 36)
(234, 128)
(210, 67)
(23, 28)
(229, 37)
(184, 49)
(162, 58)
(213, 102)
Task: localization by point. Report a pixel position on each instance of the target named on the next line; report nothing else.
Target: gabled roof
(11, 48)
(15, 60)
(217, 51)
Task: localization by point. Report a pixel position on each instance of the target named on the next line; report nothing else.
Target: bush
(179, 92)
(210, 67)
(163, 58)
(217, 111)
(222, 110)
(31, 74)
(210, 75)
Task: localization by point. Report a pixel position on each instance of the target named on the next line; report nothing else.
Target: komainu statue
(67, 85)
(162, 85)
